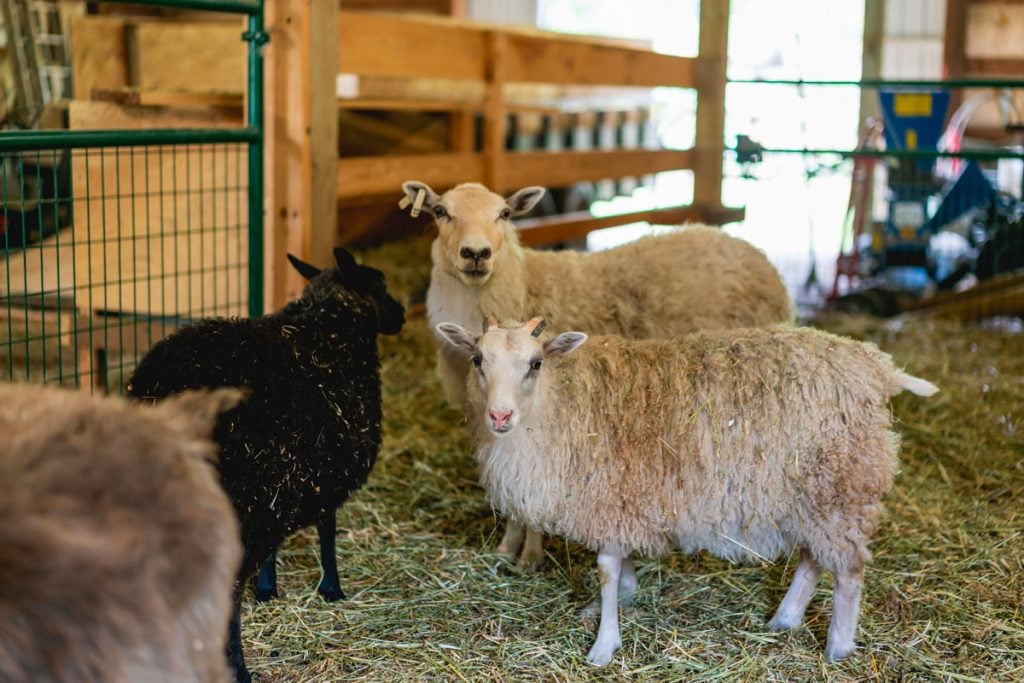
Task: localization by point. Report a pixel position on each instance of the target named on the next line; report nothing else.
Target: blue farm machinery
(945, 224)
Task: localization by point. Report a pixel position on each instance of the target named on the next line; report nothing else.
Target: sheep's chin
(473, 280)
(500, 435)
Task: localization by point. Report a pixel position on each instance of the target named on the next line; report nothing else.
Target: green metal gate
(112, 239)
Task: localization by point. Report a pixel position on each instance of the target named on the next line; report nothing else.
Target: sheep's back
(697, 278)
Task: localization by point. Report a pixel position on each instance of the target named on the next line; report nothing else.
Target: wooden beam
(1002, 295)
(382, 175)
(710, 79)
(392, 45)
(495, 114)
(535, 59)
(536, 232)
(995, 67)
(565, 168)
(954, 45)
(302, 141)
(167, 98)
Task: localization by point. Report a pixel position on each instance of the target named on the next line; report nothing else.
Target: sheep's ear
(412, 188)
(457, 336)
(306, 270)
(197, 411)
(525, 199)
(345, 260)
(564, 343)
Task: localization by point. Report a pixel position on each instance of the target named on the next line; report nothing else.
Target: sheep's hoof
(602, 653)
(833, 653)
(530, 562)
(778, 624)
(265, 594)
(331, 594)
(591, 611)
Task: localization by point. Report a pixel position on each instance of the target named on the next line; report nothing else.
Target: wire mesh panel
(112, 239)
(107, 250)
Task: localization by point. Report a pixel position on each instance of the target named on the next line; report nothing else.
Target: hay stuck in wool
(429, 599)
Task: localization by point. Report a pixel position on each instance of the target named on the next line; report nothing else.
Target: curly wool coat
(309, 433)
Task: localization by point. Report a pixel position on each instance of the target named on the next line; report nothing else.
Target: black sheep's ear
(346, 262)
(306, 270)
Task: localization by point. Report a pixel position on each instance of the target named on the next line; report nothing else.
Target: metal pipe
(65, 139)
(979, 154)
(257, 38)
(238, 6)
(884, 83)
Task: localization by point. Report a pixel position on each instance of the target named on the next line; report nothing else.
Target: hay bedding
(430, 600)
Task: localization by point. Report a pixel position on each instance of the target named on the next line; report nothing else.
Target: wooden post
(871, 56)
(495, 114)
(710, 78)
(954, 46)
(301, 141)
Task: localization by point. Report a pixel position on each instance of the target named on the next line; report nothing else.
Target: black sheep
(309, 433)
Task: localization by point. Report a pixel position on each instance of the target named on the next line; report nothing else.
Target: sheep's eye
(535, 365)
(477, 359)
(439, 211)
(506, 213)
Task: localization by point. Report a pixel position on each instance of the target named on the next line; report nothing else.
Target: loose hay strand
(429, 599)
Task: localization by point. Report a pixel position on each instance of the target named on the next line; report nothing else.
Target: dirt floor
(429, 599)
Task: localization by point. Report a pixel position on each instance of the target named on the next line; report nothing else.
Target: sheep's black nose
(481, 255)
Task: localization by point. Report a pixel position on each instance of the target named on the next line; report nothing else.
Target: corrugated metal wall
(912, 46)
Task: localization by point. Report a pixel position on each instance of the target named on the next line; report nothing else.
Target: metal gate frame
(251, 134)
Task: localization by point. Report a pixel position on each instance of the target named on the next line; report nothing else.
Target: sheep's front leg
(235, 654)
(330, 584)
(627, 590)
(845, 608)
(608, 638)
(791, 610)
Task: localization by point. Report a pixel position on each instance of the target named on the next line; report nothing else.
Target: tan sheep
(697, 278)
(747, 443)
(118, 548)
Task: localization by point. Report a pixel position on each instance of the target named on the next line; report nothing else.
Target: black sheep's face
(356, 286)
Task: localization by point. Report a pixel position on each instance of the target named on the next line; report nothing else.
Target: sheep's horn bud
(489, 322)
(538, 325)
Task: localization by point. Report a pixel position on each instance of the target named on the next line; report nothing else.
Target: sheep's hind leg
(532, 556)
(330, 584)
(791, 610)
(266, 581)
(608, 637)
(845, 608)
(512, 541)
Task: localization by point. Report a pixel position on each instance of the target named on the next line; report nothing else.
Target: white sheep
(697, 278)
(747, 443)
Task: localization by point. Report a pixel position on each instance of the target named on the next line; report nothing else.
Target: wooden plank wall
(160, 230)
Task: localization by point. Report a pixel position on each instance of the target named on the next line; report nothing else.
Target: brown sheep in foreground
(747, 443)
(118, 548)
(695, 278)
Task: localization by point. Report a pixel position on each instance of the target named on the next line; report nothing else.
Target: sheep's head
(353, 283)
(507, 362)
(473, 224)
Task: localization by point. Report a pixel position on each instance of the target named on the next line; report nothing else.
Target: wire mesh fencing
(103, 251)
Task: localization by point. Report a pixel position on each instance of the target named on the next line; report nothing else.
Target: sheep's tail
(914, 385)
